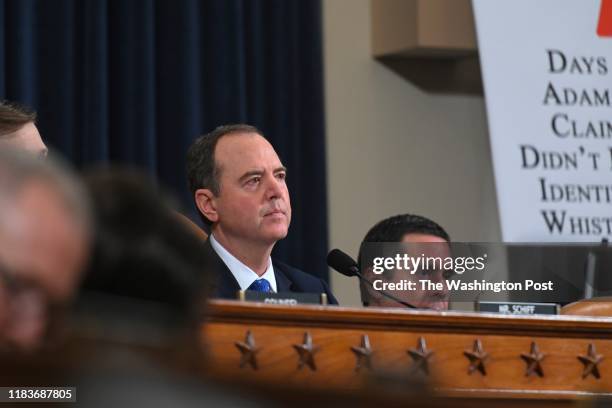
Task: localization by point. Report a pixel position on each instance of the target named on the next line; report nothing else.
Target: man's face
(42, 251)
(418, 245)
(430, 246)
(253, 204)
(26, 138)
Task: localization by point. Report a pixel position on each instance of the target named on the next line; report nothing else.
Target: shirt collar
(244, 275)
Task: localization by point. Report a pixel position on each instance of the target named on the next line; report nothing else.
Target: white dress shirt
(243, 274)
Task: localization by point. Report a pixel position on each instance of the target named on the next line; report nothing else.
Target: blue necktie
(260, 285)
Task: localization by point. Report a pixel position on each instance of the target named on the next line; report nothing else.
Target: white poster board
(547, 73)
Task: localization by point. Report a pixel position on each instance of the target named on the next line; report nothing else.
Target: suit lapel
(224, 283)
(283, 284)
(226, 286)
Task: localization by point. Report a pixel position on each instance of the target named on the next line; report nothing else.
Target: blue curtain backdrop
(135, 81)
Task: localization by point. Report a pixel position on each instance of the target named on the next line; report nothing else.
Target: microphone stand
(382, 292)
(590, 268)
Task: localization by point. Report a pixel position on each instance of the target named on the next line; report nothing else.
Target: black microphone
(343, 263)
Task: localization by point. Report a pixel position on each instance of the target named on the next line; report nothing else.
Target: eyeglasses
(16, 288)
(26, 302)
(12, 284)
(6, 279)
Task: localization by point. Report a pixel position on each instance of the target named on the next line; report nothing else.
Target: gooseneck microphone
(343, 263)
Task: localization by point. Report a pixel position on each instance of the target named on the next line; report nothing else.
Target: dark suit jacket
(288, 279)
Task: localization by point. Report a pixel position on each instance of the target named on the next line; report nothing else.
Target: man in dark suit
(239, 187)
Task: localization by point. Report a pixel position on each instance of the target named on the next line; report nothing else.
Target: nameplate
(516, 308)
(283, 298)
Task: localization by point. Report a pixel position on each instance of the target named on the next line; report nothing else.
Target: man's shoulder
(294, 274)
(292, 279)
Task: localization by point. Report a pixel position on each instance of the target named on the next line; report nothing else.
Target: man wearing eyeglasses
(44, 240)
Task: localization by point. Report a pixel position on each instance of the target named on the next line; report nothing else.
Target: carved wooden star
(306, 352)
(420, 357)
(248, 351)
(477, 357)
(533, 360)
(591, 362)
(363, 354)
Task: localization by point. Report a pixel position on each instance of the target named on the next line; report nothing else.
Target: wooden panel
(394, 28)
(446, 24)
(422, 28)
(391, 333)
(431, 43)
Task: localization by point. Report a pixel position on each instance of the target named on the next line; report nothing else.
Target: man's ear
(205, 201)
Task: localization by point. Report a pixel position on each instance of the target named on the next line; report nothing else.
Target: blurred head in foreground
(145, 261)
(44, 242)
(18, 129)
(139, 313)
(420, 236)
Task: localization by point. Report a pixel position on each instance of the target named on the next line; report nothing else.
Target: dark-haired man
(18, 129)
(239, 187)
(141, 304)
(421, 236)
(158, 261)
